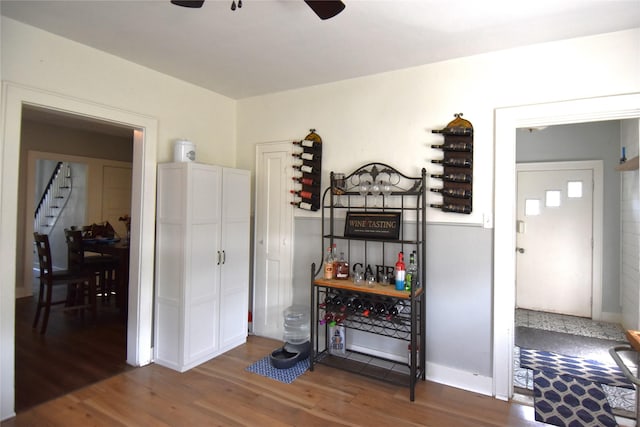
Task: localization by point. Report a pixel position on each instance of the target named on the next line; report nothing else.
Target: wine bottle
(453, 177)
(305, 156)
(303, 205)
(454, 146)
(465, 209)
(306, 169)
(328, 318)
(307, 181)
(381, 310)
(342, 268)
(328, 267)
(308, 144)
(454, 162)
(458, 193)
(392, 312)
(454, 130)
(412, 271)
(306, 195)
(400, 272)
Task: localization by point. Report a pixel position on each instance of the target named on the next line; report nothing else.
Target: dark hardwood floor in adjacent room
(72, 354)
(221, 392)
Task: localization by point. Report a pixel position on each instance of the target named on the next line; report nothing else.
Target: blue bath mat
(263, 367)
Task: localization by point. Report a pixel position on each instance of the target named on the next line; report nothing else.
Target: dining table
(119, 250)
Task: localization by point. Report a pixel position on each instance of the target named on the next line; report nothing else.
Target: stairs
(54, 199)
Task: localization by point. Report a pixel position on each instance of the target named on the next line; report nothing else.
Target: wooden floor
(72, 354)
(222, 393)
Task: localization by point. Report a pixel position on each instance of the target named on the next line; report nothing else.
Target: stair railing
(54, 199)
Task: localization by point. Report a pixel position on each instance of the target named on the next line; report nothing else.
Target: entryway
(556, 236)
(573, 337)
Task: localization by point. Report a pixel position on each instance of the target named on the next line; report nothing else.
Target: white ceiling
(274, 45)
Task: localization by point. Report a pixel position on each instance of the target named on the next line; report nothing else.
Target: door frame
(145, 130)
(597, 168)
(507, 120)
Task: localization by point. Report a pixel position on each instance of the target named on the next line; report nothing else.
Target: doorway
(272, 289)
(139, 327)
(559, 237)
(507, 121)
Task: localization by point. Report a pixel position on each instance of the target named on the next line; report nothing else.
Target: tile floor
(622, 400)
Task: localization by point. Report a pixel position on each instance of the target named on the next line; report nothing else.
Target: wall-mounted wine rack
(457, 167)
(309, 171)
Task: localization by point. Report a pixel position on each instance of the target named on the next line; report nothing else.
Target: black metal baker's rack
(398, 314)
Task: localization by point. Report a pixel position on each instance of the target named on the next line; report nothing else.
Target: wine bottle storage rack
(456, 166)
(397, 325)
(308, 196)
(403, 199)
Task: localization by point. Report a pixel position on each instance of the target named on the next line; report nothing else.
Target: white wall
(43, 60)
(388, 117)
(101, 82)
(630, 229)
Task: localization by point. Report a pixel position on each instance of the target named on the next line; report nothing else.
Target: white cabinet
(202, 262)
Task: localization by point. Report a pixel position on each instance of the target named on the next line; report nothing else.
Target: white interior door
(273, 285)
(554, 240)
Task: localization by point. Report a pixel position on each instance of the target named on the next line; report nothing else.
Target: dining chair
(102, 267)
(80, 293)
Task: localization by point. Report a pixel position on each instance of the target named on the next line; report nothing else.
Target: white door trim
(139, 329)
(598, 217)
(507, 120)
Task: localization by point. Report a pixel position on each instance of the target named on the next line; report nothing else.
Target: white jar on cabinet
(202, 262)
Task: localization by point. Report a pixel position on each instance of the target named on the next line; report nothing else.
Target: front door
(554, 237)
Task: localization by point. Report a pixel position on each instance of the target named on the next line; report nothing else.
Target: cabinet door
(234, 291)
(203, 270)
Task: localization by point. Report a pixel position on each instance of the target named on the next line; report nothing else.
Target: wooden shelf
(376, 289)
(629, 165)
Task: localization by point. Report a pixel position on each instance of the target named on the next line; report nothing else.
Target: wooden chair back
(75, 250)
(43, 250)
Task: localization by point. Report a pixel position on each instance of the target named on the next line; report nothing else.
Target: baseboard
(440, 374)
(377, 353)
(460, 379)
(610, 317)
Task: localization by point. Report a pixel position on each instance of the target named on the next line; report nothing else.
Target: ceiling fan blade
(188, 3)
(325, 9)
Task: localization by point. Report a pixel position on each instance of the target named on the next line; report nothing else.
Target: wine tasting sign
(373, 225)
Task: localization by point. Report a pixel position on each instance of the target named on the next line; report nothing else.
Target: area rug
(567, 401)
(263, 367)
(567, 390)
(590, 370)
(563, 343)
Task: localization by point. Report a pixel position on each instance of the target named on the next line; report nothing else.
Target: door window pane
(552, 198)
(574, 189)
(531, 207)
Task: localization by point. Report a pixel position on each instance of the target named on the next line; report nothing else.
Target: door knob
(521, 250)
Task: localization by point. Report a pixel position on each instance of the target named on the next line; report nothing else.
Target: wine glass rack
(307, 196)
(457, 167)
(378, 308)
